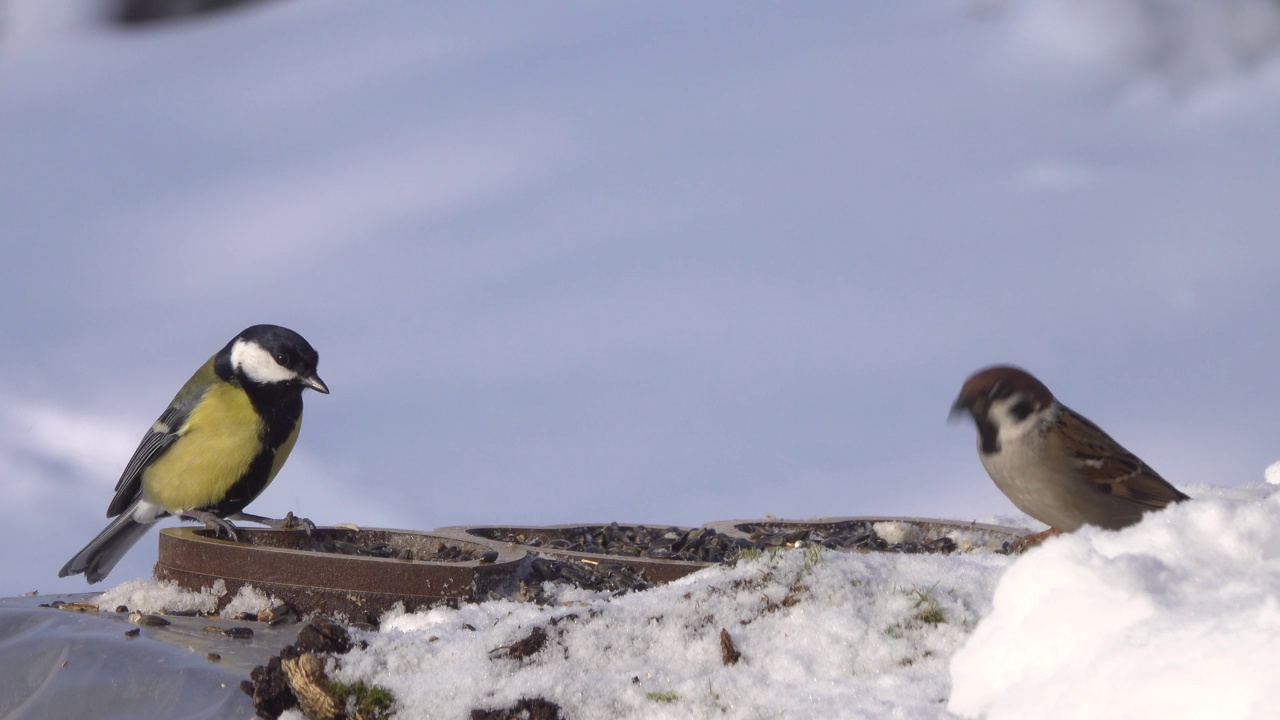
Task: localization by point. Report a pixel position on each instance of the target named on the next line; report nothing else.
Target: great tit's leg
(1026, 542)
(218, 525)
(288, 522)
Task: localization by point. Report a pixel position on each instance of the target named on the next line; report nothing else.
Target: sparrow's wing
(1110, 468)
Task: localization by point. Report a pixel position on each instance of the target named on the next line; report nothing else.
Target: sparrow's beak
(315, 383)
(961, 407)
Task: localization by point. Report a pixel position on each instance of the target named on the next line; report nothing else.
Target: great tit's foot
(219, 526)
(288, 522)
(1026, 542)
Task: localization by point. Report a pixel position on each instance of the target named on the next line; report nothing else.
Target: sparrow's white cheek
(1009, 426)
(257, 364)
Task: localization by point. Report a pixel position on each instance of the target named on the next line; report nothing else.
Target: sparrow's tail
(103, 552)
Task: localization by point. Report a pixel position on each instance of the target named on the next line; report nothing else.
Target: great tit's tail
(103, 552)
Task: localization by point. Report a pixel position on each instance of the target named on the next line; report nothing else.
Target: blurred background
(660, 262)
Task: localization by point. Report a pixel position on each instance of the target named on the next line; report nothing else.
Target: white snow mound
(1176, 617)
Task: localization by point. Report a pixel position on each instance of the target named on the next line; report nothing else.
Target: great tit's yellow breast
(216, 446)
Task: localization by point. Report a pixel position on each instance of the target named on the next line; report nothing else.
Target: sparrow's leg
(1026, 542)
(288, 522)
(218, 525)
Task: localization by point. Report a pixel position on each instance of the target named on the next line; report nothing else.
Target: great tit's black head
(270, 354)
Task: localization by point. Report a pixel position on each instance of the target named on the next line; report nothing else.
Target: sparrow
(1052, 462)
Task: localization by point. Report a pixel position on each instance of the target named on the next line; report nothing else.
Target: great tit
(215, 448)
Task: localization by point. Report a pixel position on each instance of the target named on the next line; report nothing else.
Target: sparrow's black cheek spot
(988, 436)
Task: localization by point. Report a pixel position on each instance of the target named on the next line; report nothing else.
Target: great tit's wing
(163, 434)
(159, 438)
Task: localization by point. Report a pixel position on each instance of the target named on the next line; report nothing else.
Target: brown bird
(1053, 463)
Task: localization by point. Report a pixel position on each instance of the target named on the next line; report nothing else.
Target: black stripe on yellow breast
(280, 409)
(230, 448)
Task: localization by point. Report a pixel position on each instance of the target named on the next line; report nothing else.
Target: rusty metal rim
(201, 535)
(191, 550)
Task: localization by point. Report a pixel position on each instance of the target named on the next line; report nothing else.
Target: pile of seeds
(321, 542)
(848, 535)
(670, 543)
(708, 545)
(614, 577)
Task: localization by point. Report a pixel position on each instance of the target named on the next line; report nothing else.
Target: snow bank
(821, 635)
(1177, 617)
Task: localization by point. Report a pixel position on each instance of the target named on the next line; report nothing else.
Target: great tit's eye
(283, 359)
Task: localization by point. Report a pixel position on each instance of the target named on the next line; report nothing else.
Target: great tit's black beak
(315, 383)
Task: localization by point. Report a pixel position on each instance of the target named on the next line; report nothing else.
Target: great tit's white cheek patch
(257, 364)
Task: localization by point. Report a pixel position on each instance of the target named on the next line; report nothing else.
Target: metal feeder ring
(287, 565)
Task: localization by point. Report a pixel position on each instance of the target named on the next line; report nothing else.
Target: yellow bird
(215, 448)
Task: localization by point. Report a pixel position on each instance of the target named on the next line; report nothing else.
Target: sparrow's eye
(1022, 409)
(283, 359)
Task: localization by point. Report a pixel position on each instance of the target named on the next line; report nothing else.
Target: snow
(152, 596)
(1273, 473)
(816, 632)
(1176, 617)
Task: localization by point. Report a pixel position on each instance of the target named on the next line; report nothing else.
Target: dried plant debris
(297, 677)
(147, 619)
(525, 709)
(729, 654)
(526, 647)
(306, 677)
(323, 635)
(279, 614)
